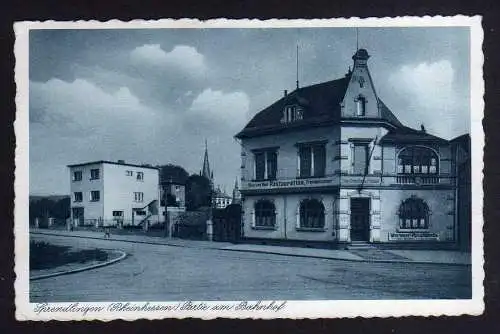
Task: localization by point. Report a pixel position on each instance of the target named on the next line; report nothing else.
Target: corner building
(331, 163)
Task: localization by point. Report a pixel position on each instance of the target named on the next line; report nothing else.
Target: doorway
(78, 216)
(360, 219)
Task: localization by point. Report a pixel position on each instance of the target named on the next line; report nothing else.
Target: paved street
(163, 273)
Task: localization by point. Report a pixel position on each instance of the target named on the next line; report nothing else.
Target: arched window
(265, 214)
(312, 214)
(417, 160)
(413, 214)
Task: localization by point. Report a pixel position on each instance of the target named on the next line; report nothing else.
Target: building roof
(323, 107)
(322, 102)
(113, 163)
(404, 134)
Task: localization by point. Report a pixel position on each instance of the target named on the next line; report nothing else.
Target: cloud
(78, 121)
(183, 57)
(219, 107)
(427, 92)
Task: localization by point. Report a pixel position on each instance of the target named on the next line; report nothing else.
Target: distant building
(106, 193)
(331, 163)
(221, 199)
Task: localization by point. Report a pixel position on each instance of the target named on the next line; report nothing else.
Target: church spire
(206, 172)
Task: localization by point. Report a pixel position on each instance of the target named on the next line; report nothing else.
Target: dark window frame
(265, 169)
(312, 214)
(265, 214)
(80, 175)
(95, 195)
(413, 214)
(310, 160)
(95, 174)
(417, 160)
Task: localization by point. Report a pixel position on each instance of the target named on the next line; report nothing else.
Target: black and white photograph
(267, 169)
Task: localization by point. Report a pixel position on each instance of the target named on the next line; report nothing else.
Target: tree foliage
(198, 192)
(173, 174)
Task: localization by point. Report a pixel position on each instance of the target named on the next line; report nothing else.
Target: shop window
(312, 160)
(265, 214)
(312, 214)
(413, 214)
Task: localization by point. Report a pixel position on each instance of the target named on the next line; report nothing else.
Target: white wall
(92, 210)
(120, 188)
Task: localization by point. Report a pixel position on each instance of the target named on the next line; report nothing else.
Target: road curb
(344, 259)
(260, 251)
(77, 270)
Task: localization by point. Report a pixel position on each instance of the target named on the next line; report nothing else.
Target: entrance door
(78, 216)
(360, 219)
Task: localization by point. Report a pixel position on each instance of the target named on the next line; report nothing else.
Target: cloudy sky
(154, 95)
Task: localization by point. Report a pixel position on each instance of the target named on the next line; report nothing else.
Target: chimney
(285, 93)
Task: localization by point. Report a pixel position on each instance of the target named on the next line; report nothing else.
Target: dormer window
(360, 106)
(292, 113)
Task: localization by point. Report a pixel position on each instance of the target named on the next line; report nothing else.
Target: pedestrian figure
(106, 233)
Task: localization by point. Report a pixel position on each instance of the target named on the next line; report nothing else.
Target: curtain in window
(265, 214)
(413, 214)
(312, 214)
(417, 160)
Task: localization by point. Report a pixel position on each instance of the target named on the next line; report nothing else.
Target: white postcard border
(291, 309)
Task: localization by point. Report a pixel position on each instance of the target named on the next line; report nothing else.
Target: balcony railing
(417, 179)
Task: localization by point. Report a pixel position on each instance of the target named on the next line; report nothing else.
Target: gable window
(266, 164)
(265, 214)
(312, 160)
(78, 196)
(360, 106)
(417, 160)
(77, 175)
(312, 214)
(94, 174)
(292, 113)
(413, 214)
(140, 176)
(95, 196)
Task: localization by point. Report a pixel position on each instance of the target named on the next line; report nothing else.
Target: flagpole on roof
(297, 69)
(357, 39)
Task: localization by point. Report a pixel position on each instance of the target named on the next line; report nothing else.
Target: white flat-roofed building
(107, 193)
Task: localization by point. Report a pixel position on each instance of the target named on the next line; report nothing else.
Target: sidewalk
(382, 256)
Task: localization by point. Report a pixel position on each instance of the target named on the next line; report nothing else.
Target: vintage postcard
(249, 169)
